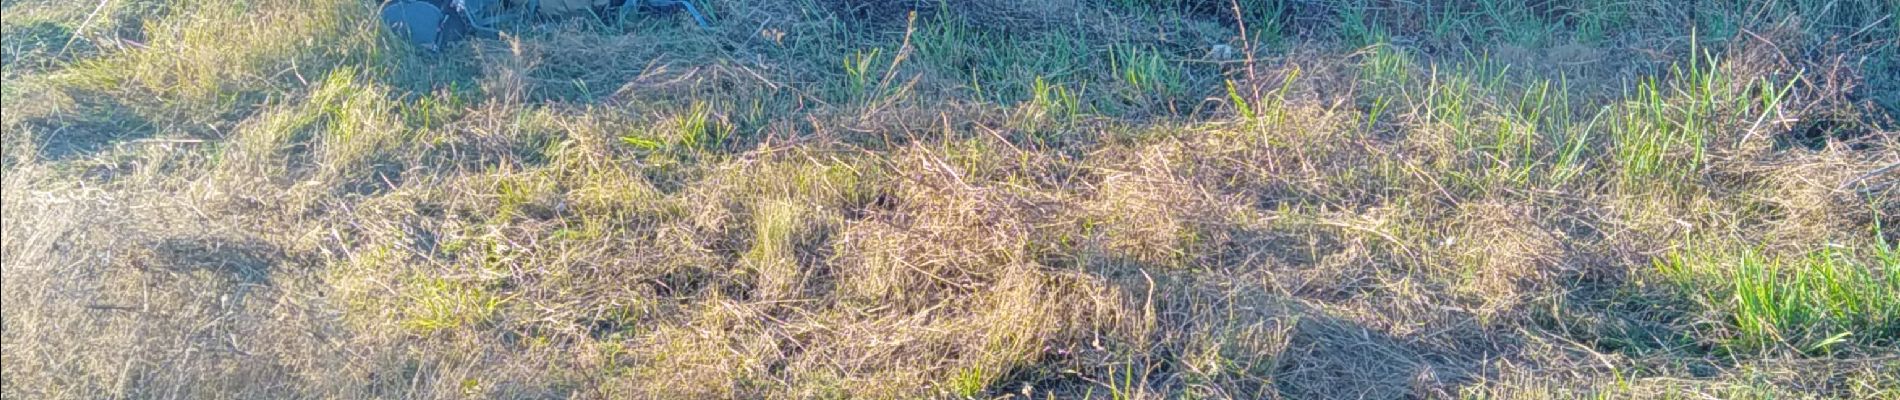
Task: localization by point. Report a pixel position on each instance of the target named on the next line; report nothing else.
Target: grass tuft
(1811, 303)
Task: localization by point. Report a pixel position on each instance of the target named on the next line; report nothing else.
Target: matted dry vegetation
(1118, 199)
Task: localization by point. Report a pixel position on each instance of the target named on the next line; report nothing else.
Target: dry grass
(1117, 199)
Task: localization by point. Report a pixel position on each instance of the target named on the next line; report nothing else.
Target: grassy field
(956, 199)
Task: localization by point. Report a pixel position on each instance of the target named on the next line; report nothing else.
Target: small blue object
(420, 22)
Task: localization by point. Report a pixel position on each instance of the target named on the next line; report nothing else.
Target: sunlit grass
(1810, 303)
(1123, 199)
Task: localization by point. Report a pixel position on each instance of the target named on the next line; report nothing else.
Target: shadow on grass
(243, 260)
(96, 124)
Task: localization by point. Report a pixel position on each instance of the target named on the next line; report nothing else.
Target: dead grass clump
(1773, 377)
(943, 233)
(1339, 360)
(992, 14)
(966, 344)
(566, 64)
(1148, 214)
(159, 281)
(1503, 255)
(1231, 339)
(776, 225)
(918, 295)
(1804, 198)
(715, 354)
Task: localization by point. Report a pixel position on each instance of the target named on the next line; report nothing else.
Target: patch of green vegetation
(861, 71)
(1148, 78)
(1513, 22)
(1512, 128)
(39, 44)
(968, 383)
(694, 131)
(1049, 109)
(1812, 303)
(437, 305)
(1358, 28)
(1665, 129)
